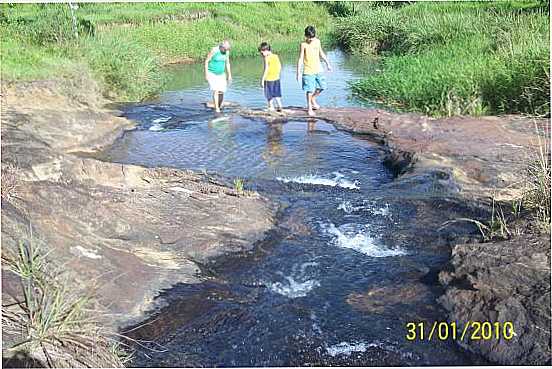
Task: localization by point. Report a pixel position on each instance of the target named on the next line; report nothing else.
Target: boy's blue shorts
(272, 89)
(313, 82)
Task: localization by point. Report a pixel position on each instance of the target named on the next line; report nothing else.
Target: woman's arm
(207, 59)
(300, 61)
(228, 70)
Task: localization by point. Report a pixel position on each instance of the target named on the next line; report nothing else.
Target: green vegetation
(456, 58)
(125, 45)
(238, 185)
(53, 323)
(439, 58)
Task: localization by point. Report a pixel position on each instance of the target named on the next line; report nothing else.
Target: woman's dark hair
(310, 32)
(264, 46)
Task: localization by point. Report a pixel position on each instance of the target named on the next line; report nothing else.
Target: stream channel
(354, 255)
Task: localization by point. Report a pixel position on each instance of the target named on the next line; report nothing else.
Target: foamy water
(337, 179)
(349, 208)
(161, 120)
(357, 237)
(156, 127)
(298, 284)
(346, 348)
(292, 288)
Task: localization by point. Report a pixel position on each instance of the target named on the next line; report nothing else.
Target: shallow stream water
(339, 277)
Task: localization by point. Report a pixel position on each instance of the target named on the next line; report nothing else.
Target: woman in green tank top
(218, 73)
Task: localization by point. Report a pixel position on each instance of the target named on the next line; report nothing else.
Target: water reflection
(275, 150)
(311, 125)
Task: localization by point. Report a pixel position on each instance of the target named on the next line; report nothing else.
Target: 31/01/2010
(472, 330)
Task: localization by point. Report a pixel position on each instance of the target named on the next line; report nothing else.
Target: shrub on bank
(449, 59)
(126, 70)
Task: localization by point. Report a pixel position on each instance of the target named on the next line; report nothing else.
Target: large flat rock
(126, 231)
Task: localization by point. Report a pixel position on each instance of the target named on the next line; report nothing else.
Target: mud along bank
(127, 231)
(471, 159)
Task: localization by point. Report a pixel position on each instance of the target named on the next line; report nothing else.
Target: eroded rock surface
(126, 230)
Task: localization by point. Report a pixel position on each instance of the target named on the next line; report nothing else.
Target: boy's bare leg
(279, 103)
(216, 101)
(270, 105)
(315, 105)
(310, 111)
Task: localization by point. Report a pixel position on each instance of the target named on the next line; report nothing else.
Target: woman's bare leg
(221, 99)
(216, 101)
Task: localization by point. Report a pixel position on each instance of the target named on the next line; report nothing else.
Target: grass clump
(52, 323)
(127, 70)
(503, 223)
(448, 59)
(239, 186)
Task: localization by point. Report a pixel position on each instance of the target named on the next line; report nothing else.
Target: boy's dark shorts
(272, 89)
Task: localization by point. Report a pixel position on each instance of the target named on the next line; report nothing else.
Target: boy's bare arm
(265, 70)
(300, 61)
(325, 59)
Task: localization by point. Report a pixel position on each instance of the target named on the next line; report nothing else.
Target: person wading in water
(218, 73)
(313, 80)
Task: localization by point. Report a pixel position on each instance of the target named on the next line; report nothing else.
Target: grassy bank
(123, 46)
(453, 58)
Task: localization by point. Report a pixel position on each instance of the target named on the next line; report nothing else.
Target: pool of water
(341, 274)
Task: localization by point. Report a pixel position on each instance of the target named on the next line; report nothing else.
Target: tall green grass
(125, 45)
(454, 58)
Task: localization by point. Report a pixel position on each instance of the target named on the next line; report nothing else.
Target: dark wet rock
(503, 281)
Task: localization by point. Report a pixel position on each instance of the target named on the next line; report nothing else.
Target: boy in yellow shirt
(270, 80)
(313, 80)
